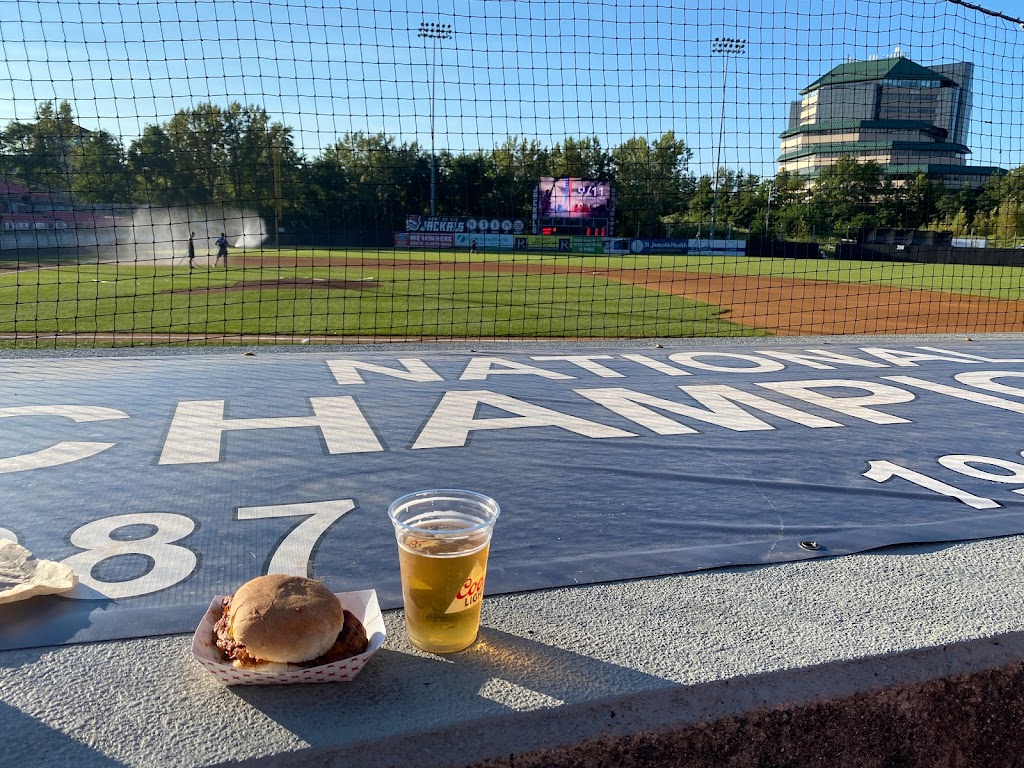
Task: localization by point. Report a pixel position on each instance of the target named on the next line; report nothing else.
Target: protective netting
(277, 172)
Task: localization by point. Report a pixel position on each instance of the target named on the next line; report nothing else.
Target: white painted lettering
(962, 394)
(195, 433)
(905, 359)
(455, 418)
(696, 360)
(63, 452)
(657, 365)
(719, 409)
(347, 371)
(977, 357)
(818, 358)
(587, 363)
(984, 380)
(479, 368)
(851, 405)
(294, 555)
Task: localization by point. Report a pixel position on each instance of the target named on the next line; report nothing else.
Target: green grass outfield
(321, 296)
(993, 282)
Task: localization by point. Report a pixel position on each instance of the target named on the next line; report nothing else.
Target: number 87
(172, 562)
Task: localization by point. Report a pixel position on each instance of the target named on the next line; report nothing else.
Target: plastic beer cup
(443, 540)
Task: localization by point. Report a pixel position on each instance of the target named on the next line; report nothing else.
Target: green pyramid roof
(896, 68)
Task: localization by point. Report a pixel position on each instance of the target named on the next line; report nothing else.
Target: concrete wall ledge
(970, 718)
(909, 655)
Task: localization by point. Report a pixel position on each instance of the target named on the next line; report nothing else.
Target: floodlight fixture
(435, 32)
(727, 48)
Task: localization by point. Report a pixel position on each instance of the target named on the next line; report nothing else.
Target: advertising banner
(676, 245)
(545, 243)
(587, 245)
(668, 245)
(460, 224)
(720, 247)
(422, 240)
(490, 242)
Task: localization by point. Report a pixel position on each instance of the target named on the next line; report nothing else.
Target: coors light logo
(470, 592)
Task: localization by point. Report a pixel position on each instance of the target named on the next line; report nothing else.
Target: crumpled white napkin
(23, 576)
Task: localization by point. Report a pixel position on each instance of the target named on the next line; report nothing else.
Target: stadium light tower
(727, 48)
(434, 32)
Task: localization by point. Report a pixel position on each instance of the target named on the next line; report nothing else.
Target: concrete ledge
(904, 656)
(963, 720)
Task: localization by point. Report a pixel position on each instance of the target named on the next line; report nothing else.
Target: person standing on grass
(192, 250)
(222, 250)
(472, 246)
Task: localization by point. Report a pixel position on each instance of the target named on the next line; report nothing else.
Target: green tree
(1009, 221)
(468, 185)
(652, 181)
(1001, 188)
(156, 177)
(960, 224)
(788, 213)
(99, 171)
(847, 196)
(261, 161)
(915, 203)
(955, 200)
(702, 201)
(38, 153)
(1002, 200)
(515, 167)
(580, 159)
(747, 202)
(380, 175)
(209, 155)
(983, 225)
(323, 196)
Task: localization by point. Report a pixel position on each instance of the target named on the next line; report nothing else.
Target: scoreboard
(570, 206)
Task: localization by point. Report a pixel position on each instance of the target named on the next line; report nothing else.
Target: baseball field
(316, 296)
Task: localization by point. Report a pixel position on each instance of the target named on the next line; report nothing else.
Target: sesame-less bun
(285, 618)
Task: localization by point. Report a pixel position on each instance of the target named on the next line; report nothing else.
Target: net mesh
(278, 172)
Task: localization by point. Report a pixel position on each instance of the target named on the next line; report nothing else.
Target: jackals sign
(165, 480)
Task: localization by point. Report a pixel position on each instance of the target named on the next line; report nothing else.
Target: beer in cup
(443, 540)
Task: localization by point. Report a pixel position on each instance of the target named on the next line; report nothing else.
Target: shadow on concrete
(31, 742)
(923, 548)
(500, 674)
(958, 705)
(43, 621)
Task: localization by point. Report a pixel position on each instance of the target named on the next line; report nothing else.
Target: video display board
(571, 206)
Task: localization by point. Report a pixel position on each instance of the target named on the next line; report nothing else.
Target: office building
(908, 118)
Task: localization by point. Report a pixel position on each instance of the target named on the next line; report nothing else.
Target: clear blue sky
(545, 70)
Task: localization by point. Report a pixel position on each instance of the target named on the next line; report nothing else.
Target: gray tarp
(167, 479)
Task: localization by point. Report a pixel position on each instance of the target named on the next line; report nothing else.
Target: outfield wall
(36, 239)
(932, 254)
